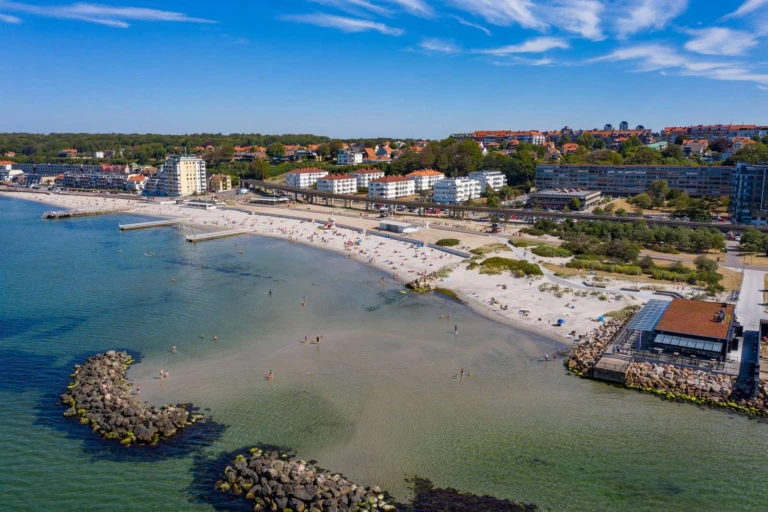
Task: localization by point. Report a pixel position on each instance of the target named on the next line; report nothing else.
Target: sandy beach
(534, 304)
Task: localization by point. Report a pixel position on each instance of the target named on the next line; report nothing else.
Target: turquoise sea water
(375, 400)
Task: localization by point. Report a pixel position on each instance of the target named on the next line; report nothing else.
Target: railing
(679, 359)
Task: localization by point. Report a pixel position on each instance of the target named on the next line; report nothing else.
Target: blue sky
(400, 68)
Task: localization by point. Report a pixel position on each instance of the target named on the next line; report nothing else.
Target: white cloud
(502, 12)
(650, 14)
(747, 7)
(417, 7)
(536, 45)
(344, 24)
(581, 17)
(473, 25)
(433, 45)
(101, 14)
(655, 57)
(720, 41)
(7, 18)
(517, 61)
(355, 6)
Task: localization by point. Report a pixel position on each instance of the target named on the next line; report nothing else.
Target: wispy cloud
(434, 45)
(473, 25)
(536, 45)
(344, 24)
(518, 61)
(417, 7)
(747, 7)
(358, 7)
(650, 14)
(502, 12)
(657, 57)
(720, 41)
(101, 14)
(7, 18)
(581, 17)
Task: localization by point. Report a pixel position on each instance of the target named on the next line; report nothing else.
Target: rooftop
(367, 171)
(425, 172)
(336, 177)
(696, 318)
(306, 170)
(566, 192)
(390, 179)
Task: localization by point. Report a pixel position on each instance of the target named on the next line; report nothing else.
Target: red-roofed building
(10, 154)
(337, 184)
(391, 187)
(425, 179)
(569, 147)
(364, 176)
(304, 178)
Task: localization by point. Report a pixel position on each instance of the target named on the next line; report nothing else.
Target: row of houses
(448, 191)
(714, 131)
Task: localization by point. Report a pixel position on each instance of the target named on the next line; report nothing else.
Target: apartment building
(337, 184)
(559, 199)
(219, 182)
(425, 179)
(97, 181)
(183, 176)
(487, 136)
(493, 179)
(56, 169)
(364, 176)
(634, 179)
(714, 131)
(456, 190)
(749, 194)
(391, 187)
(349, 156)
(304, 178)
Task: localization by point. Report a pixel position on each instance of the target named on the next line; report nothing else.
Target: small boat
(119, 250)
(149, 254)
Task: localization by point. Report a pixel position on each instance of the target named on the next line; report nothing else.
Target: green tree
(586, 140)
(642, 201)
(574, 204)
(599, 144)
(659, 189)
(751, 153)
(275, 149)
(644, 156)
(705, 264)
(621, 212)
(673, 151)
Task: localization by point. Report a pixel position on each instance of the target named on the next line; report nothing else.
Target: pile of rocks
(586, 355)
(680, 381)
(100, 396)
(281, 482)
(424, 283)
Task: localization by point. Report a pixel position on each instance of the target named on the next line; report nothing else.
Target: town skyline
(412, 68)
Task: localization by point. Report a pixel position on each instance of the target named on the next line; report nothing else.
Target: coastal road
(750, 308)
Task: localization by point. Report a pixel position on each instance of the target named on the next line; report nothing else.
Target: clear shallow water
(375, 400)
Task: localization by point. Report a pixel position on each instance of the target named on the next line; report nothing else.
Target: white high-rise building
(337, 184)
(456, 190)
(494, 179)
(425, 179)
(304, 178)
(391, 187)
(364, 176)
(183, 176)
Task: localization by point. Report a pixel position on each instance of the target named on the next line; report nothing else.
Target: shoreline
(393, 258)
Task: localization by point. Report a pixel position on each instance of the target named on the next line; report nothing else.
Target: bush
(520, 243)
(547, 251)
(448, 242)
(533, 231)
(631, 270)
(496, 265)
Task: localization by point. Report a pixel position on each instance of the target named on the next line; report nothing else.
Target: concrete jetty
(218, 234)
(147, 225)
(79, 213)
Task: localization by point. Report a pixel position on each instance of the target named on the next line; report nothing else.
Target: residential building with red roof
(569, 147)
(391, 187)
(305, 177)
(337, 184)
(349, 156)
(425, 179)
(364, 176)
(219, 182)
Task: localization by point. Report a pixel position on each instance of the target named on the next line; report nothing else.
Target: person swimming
(173, 348)
(215, 338)
(269, 377)
(202, 336)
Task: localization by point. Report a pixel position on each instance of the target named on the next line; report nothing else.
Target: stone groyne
(589, 352)
(425, 283)
(100, 396)
(279, 481)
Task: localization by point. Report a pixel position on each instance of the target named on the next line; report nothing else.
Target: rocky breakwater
(279, 481)
(589, 352)
(697, 386)
(100, 396)
(680, 381)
